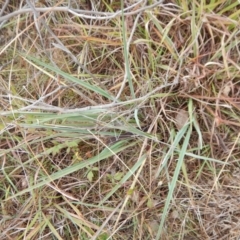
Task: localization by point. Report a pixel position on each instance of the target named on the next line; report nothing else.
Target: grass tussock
(119, 120)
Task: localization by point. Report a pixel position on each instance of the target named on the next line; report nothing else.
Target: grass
(119, 120)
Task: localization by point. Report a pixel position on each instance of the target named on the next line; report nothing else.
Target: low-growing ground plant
(119, 119)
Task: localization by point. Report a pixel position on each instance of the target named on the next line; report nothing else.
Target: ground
(120, 119)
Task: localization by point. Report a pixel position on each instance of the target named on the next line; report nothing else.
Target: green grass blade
(107, 152)
(125, 52)
(174, 181)
(177, 139)
(68, 77)
(124, 179)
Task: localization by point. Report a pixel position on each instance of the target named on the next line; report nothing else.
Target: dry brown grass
(119, 127)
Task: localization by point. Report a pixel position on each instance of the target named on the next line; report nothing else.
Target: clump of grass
(119, 120)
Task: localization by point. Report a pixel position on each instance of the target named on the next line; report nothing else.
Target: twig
(104, 107)
(83, 13)
(4, 7)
